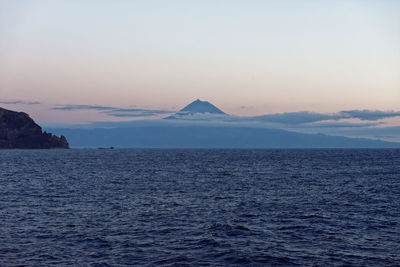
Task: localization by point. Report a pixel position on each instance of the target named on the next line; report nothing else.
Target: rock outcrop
(18, 130)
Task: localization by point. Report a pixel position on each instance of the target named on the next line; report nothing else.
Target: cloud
(82, 107)
(369, 115)
(18, 102)
(343, 124)
(287, 118)
(302, 117)
(114, 111)
(131, 112)
(297, 117)
(142, 110)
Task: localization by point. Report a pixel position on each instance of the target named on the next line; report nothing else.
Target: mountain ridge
(182, 135)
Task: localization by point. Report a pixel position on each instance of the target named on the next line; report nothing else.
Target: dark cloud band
(82, 107)
(114, 111)
(18, 102)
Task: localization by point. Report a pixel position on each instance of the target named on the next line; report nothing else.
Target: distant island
(200, 124)
(18, 130)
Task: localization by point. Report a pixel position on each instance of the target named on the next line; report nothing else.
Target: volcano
(197, 109)
(199, 106)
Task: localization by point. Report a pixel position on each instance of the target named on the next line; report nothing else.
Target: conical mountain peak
(198, 110)
(199, 106)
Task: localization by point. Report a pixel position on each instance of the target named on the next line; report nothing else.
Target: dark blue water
(200, 207)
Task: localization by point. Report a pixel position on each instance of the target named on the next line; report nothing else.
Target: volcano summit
(197, 109)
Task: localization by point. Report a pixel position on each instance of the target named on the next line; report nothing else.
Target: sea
(200, 207)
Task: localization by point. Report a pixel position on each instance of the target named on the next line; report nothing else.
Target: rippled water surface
(200, 207)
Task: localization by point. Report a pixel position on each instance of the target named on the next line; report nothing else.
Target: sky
(246, 57)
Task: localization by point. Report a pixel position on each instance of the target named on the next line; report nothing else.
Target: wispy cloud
(115, 111)
(137, 112)
(369, 115)
(82, 107)
(19, 102)
(287, 118)
(343, 124)
(297, 117)
(303, 117)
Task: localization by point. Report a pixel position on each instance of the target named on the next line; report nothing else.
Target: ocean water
(199, 207)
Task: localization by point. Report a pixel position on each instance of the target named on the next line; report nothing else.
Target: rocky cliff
(18, 130)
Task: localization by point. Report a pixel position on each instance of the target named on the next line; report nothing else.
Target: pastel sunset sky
(246, 57)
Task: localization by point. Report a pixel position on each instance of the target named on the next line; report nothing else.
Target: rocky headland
(18, 130)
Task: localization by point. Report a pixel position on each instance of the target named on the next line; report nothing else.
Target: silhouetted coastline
(18, 130)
